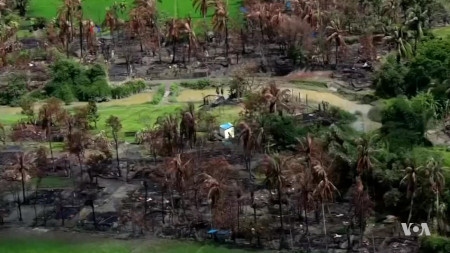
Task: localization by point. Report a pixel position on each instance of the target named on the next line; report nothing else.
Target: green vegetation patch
(106, 246)
(309, 84)
(159, 95)
(92, 9)
(198, 85)
(442, 32)
(135, 117)
(96, 9)
(53, 182)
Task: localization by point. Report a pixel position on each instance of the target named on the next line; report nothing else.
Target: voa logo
(419, 230)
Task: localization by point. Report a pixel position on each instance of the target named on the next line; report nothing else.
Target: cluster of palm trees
(305, 26)
(53, 120)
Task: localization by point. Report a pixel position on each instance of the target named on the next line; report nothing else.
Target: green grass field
(96, 9)
(106, 246)
(133, 116)
(442, 32)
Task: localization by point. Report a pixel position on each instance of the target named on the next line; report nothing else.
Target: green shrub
(37, 94)
(156, 98)
(343, 116)
(159, 95)
(127, 89)
(435, 244)
(72, 81)
(174, 90)
(199, 85)
(15, 89)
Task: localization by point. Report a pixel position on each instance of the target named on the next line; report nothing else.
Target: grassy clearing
(92, 9)
(135, 117)
(53, 182)
(106, 246)
(96, 9)
(442, 32)
(188, 95)
(136, 112)
(314, 85)
(227, 113)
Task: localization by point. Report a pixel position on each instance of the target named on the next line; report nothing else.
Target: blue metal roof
(226, 126)
(212, 231)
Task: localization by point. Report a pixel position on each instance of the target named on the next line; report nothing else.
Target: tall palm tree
(324, 191)
(202, 7)
(188, 125)
(249, 144)
(220, 22)
(78, 8)
(137, 24)
(214, 189)
(169, 127)
(275, 178)
(364, 163)
(112, 17)
(65, 18)
(400, 38)
(417, 19)
(76, 144)
(391, 9)
(180, 173)
(337, 35)
(276, 98)
(22, 169)
(176, 28)
(435, 173)
(410, 180)
(49, 115)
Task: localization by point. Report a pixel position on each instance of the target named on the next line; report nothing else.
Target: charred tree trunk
(19, 207)
(81, 35)
(280, 210)
(174, 47)
(242, 41)
(22, 180)
(226, 41)
(162, 207)
(116, 145)
(81, 167)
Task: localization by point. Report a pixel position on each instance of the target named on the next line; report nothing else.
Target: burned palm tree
(49, 115)
(214, 191)
(202, 7)
(362, 205)
(220, 22)
(112, 17)
(336, 36)
(66, 17)
(77, 142)
(179, 172)
(275, 168)
(249, 144)
(276, 98)
(176, 30)
(188, 125)
(324, 192)
(22, 169)
(410, 180)
(171, 140)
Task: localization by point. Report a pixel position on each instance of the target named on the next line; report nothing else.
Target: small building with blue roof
(227, 130)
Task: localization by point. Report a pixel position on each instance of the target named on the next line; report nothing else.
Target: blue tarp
(288, 5)
(226, 126)
(212, 231)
